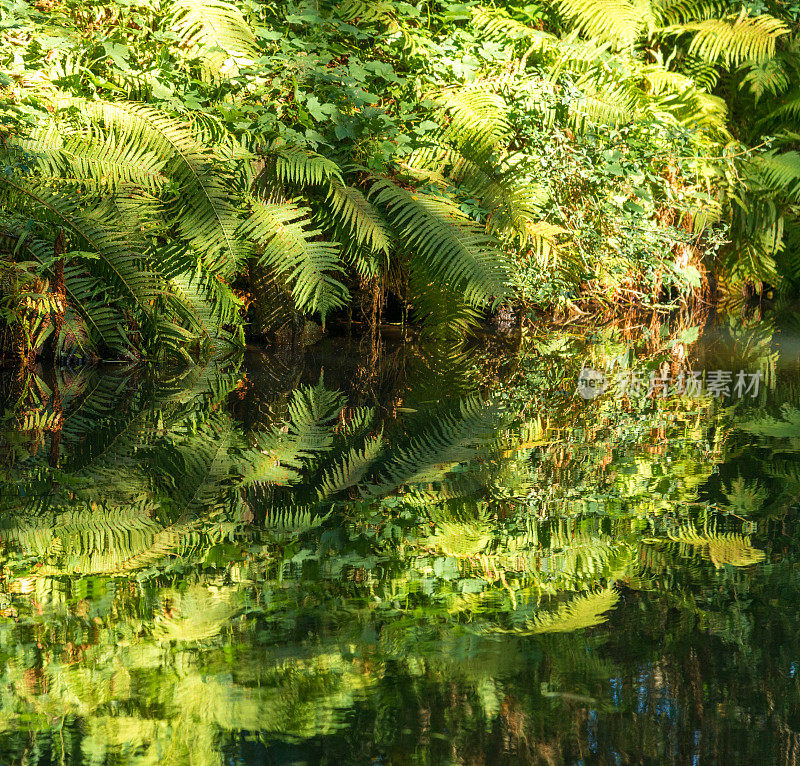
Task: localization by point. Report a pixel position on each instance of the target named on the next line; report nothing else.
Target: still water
(407, 556)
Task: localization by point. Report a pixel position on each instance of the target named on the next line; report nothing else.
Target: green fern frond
(87, 298)
(294, 251)
(788, 108)
(100, 159)
(443, 313)
(743, 497)
(618, 21)
(785, 427)
(290, 523)
(354, 211)
(118, 261)
(205, 304)
(477, 118)
(216, 32)
(379, 11)
(206, 215)
(350, 468)
(735, 39)
(675, 12)
(699, 73)
(444, 242)
(581, 612)
(302, 167)
(431, 454)
(605, 100)
(781, 171)
(721, 548)
(279, 455)
(313, 411)
(497, 25)
(769, 77)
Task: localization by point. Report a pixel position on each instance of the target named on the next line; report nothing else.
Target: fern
(380, 11)
(290, 523)
(579, 613)
(444, 242)
(781, 171)
(302, 167)
(279, 455)
(721, 548)
(214, 31)
(735, 39)
(118, 261)
(350, 469)
(618, 21)
(496, 24)
(429, 455)
(206, 305)
(354, 212)
(291, 249)
(205, 212)
(99, 159)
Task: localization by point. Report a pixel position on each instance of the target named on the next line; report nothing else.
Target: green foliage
(218, 557)
(590, 149)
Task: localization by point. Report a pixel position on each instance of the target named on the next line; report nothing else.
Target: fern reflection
(213, 566)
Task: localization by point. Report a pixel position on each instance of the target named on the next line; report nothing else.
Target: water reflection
(425, 558)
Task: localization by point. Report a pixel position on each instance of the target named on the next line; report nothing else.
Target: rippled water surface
(407, 557)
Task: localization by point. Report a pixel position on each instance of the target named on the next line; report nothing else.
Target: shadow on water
(418, 556)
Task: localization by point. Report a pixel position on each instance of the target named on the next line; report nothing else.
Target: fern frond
(477, 118)
(721, 548)
(429, 455)
(205, 304)
(769, 77)
(444, 242)
(350, 468)
(443, 312)
(618, 21)
(379, 11)
(205, 211)
(307, 434)
(118, 261)
(290, 523)
(789, 107)
(292, 250)
(354, 211)
(216, 32)
(605, 99)
(676, 12)
(579, 613)
(781, 171)
(497, 25)
(101, 159)
(736, 39)
(302, 167)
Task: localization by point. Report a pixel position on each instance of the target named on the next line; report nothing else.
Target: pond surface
(408, 557)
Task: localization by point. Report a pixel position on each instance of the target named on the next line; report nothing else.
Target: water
(422, 558)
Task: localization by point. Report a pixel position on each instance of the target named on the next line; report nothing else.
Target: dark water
(424, 557)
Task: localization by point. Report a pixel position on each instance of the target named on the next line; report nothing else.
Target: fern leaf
(206, 215)
(350, 469)
(429, 455)
(736, 39)
(216, 32)
(581, 612)
(354, 211)
(618, 21)
(118, 260)
(444, 242)
(292, 250)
